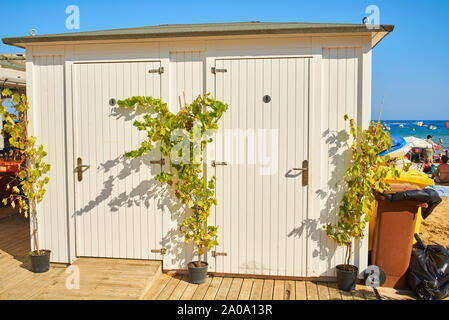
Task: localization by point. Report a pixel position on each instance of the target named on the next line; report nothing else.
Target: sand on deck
(435, 229)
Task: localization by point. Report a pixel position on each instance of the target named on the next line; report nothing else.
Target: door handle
(305, 172)
(80, 168)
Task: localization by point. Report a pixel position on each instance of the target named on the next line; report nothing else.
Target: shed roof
(210, 29)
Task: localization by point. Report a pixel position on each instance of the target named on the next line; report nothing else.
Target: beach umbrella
(418, 143)
(447, 124)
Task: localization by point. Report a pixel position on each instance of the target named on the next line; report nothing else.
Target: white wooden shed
(294, 81)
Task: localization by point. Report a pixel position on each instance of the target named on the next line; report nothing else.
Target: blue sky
(410, 66)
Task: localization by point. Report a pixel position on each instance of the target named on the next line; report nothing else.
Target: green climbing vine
(183, 138)
(364, 177)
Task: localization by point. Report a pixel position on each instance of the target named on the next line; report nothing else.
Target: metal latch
(161, 162)
(159, 70)
(216, 254)
(215, 70)
(218, 163)
(80, 168)
(161, 251)
(305, 172)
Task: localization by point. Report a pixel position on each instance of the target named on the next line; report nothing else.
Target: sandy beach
(435, 229)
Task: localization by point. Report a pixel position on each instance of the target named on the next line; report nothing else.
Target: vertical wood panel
(339, 91)
(49, 105)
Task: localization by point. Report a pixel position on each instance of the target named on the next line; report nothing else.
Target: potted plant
(364, 177)
(183, 138)
(29, 189)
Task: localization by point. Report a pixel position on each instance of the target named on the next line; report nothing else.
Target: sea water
(410, 128)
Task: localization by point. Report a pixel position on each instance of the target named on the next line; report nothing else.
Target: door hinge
(161, 162)
(159, 70)
(216, 254)
(218, 163)
(215, 70)
(161, 251)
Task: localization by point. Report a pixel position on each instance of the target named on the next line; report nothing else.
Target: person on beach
(429, 151)
(441, 174)
(427, 166)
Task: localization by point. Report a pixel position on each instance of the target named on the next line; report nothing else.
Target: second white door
(262, 189)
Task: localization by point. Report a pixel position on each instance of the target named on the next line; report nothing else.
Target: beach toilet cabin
(278, 157)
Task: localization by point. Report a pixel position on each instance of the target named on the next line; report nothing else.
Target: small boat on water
(431, 127)
(401, 126)
(419, 123)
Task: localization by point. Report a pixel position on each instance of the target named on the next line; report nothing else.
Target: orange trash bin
(393, 235)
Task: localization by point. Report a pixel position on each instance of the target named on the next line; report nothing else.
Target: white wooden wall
(48, 119)
(340, 82)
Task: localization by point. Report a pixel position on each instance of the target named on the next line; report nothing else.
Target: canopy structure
(418, 143)
(12, 72)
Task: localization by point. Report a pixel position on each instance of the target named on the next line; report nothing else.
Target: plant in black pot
(31, 177)
(183, 138)
(364, 177)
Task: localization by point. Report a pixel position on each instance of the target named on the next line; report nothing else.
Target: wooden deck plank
(323, 291)
(312, 291)
(189, 291)
(157, 287)
(394, 294)
(301, 291)
(213, 288)
(224, 289)
(245, 290)
(334, 293)
(201, 290)
(278, 293)
(268, 288)
(180, 288)
(168, 289)
(234, 290)
(289, 290)
(358, 293)
(368, 292)
(346, 295)
(256, 291)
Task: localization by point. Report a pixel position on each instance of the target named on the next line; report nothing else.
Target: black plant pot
(40, 263)
(347, 276)
(197, 275)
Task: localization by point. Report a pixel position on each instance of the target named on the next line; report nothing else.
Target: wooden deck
(138, 279)
(177, 287)
(98, 278)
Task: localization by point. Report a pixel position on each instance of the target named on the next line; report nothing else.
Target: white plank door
(118, 212)
(263, 137)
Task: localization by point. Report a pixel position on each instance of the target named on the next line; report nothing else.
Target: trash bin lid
(399, 187)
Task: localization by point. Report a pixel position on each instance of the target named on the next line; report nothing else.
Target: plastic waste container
(393, 235)
(416, 178)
